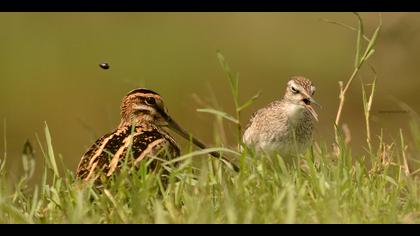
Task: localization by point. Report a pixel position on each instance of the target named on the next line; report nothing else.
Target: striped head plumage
(299, 91)
(141, 106)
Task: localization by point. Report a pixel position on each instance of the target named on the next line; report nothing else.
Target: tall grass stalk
(403, 154)
(362, 55)
(367, 106)
(234, 87)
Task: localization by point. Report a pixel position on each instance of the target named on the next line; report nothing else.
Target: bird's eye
(150, 101)
(294, 90)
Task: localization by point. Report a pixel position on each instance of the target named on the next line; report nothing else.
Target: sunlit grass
(319, 187)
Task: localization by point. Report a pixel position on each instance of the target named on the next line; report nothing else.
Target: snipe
(141, 132)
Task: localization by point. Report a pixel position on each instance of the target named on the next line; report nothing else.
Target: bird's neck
(144, 124)
(136, 120)
(294, 112)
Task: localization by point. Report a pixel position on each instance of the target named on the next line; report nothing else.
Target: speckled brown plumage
(284, 126)
(140, 135)
(98, 159)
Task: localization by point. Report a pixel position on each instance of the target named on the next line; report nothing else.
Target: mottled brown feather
(284, 125)
(142, 137)
(139, 136)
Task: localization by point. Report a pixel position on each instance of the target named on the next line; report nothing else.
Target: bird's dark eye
(294, 90)
(150, 101)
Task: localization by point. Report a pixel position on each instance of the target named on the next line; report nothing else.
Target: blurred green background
(49, 70)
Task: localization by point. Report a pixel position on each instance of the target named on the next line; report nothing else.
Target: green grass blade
(233, 80)
(118, 209)
(249, 102)
(360, 33)
(201, 152)
(369, 49)
(366, 38)
(51, 156)
(219, 113)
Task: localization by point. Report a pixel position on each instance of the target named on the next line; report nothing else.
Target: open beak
(310, 108)
(183, 133)
(314, 102)
(312, 111)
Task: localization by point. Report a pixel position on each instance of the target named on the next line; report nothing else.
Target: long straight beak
(183, 133)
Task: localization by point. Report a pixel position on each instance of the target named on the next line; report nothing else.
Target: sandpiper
(284, 126)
